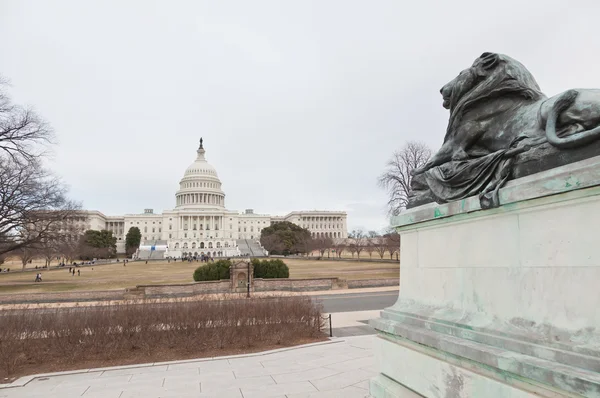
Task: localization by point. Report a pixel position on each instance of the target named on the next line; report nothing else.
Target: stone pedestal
(502, 302)
(238, 274)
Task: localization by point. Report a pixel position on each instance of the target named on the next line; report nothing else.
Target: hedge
(213, 271)
(266, 269)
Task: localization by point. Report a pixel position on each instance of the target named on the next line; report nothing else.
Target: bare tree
(339, 246)
(357, 242)
(392, 243)
(379, 246)
(370, 242)
(26, 254)
(352, 249)
(322, 244)
(49, 250)
(369, 247)
(69, 249)
(397, 178)
(22, 131)
(33, 204)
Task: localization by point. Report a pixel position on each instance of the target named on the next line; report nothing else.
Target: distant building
(200, 223)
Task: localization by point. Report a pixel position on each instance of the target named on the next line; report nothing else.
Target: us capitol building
(200, 223)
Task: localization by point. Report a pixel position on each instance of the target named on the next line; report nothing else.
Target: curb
(22, 381)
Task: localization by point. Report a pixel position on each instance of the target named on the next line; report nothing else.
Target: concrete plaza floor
(337, 368)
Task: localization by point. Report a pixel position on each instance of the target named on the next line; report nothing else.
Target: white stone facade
(200, 223)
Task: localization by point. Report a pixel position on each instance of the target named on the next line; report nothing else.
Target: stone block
(499, 302)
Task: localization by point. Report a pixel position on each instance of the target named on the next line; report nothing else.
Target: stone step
(504, 362)
(589, 360)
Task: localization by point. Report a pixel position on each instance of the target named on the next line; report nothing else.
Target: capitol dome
(200, 186)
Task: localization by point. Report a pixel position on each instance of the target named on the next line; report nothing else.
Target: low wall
(186, 289)
(364, 283)
(295, 285)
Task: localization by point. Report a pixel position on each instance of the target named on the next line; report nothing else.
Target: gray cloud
(300, 103)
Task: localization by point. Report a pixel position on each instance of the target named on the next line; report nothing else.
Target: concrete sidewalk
(338, 368)
(355, 323)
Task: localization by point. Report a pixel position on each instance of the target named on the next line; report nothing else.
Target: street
(350, 313)
(357, 301)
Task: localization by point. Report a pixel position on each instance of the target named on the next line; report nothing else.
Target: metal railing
(328, 318)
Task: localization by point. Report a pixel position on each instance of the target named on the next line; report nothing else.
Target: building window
(145, 229)
(169, 236)
(153, 230)
(159, 229)
(170, 227)
(185, 235)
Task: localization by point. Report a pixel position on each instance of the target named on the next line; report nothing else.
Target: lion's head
(491, 75)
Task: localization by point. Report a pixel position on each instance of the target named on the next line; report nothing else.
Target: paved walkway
(340, 368)
(354, 323)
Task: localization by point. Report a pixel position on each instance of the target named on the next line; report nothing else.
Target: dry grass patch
(116, 276)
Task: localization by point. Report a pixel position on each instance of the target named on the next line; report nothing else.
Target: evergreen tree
(286, 238)
(99, 244)
(132, 240)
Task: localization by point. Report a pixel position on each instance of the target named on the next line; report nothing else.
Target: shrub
(213, 271)
(63, 338)
(274, 268)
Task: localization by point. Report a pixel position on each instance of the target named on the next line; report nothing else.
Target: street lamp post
(248, 284)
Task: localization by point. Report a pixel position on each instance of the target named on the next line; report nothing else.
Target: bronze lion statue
(498, 112)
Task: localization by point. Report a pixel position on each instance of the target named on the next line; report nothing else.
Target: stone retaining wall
(186, 289)
(295, 285)
(365, 283)
(196, 288)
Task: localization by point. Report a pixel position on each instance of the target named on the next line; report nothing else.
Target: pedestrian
(73, 271)
(78, 272)
(69, 270)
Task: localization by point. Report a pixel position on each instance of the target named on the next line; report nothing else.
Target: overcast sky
(300, 103)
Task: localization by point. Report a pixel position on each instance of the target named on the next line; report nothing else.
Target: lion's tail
(571, 141)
